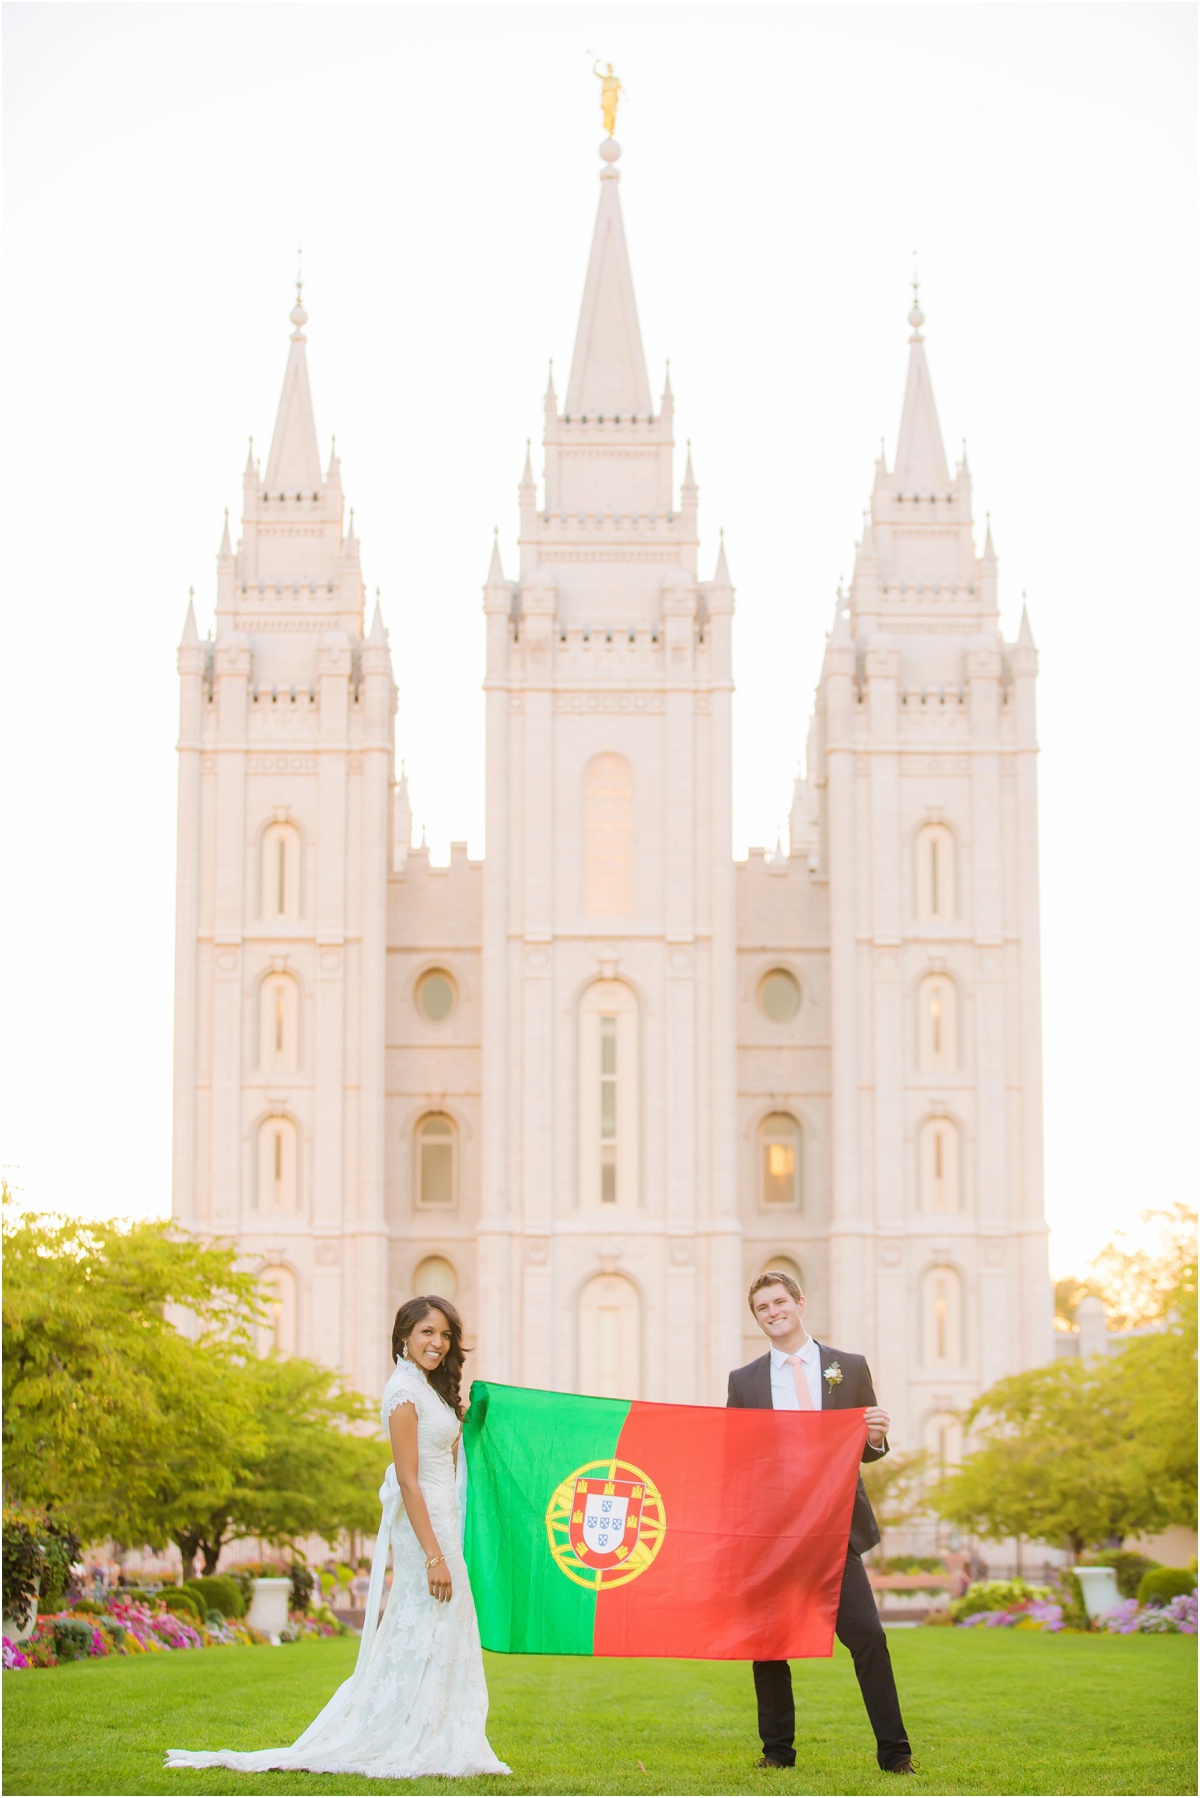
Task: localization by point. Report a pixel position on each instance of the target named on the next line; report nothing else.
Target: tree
(896, 1487)
(1086, 1452)
(1137, 1284)
(300, 1469)
(100, 1388)
(140, 1432)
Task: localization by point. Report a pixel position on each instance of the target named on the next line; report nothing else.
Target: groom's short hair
(773, 1279)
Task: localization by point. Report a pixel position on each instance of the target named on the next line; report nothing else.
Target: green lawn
(988, 1711)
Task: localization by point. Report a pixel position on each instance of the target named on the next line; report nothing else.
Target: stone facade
(597, 1082)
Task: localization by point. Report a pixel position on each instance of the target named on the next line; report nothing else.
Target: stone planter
(18, 1633)
(269, 1607)
(1100, 1594)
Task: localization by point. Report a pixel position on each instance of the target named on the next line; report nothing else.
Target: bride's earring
(404, 1351)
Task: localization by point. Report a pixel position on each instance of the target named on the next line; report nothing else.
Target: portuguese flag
(598, 1526)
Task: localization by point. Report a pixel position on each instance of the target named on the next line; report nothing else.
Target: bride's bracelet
(433, 1561)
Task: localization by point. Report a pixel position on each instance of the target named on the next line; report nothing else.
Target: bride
(416, 1704)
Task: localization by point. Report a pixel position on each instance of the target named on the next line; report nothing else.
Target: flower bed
(124, 1628)
(1010, 1604)
(300, 1625)
(137, 1627)
(1130, 1618)
(1037, 1614)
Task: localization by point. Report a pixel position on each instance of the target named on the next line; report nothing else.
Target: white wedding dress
(416, 1704)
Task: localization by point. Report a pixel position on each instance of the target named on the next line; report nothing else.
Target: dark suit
(858, 1625)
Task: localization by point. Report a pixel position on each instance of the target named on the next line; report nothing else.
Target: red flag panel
(757, 1507)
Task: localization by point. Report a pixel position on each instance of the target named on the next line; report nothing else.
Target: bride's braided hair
(445, 1378)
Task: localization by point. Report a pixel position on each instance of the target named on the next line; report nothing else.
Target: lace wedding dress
(416, 1704)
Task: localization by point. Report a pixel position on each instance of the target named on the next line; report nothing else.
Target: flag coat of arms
(606, 1527)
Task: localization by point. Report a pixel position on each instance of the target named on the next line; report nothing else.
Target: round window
(779, 996)
(436, 995)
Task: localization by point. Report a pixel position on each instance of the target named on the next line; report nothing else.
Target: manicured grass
(988, 1711)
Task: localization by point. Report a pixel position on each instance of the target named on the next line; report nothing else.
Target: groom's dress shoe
(764, 1760)
(905, 1766)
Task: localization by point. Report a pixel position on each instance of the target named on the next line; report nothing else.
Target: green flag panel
(520, 1446)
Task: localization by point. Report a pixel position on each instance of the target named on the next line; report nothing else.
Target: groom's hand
(877, 1422)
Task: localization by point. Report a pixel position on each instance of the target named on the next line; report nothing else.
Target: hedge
(217, 1592)
(1165, 1583)
(1128, 1567)
(179, 1599)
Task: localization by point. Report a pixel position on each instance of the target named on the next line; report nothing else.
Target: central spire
(608, 370)
(294, 463)
(920, 455)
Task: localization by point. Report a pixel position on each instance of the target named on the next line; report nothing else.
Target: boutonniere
(833, 1374)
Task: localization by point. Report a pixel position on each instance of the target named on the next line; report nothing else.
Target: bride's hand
(439, 1583)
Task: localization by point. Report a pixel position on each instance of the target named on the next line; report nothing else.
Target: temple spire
(191, 635)
(294, 464)
(608, 370)
(920, 456)
(495, 574)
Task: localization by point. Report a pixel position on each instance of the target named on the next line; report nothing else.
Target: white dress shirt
(783, 1384)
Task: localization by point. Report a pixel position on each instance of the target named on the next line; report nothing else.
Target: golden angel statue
(610, 92)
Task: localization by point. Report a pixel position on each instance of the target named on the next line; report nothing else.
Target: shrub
(910, 1564)
(1164, 1584)
(88, 1607)
(243, 1579)
(61, 1547)
(218, 1592)
(1068, 1593)
(997, 1595)
(24, 1560)
(72, 1638)
(38, 1551)
(39, 1650)
(302, 1587)
(182, 1602)
(1127, 1566)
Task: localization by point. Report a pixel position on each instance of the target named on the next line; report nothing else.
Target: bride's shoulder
(407, 1384)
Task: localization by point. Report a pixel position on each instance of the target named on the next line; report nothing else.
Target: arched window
(610, 1350)
(435, 1275)
(280, 872)
(939, 1165)
(754, 1343)
(937, 1025)
(784, 1264)
(780, 1161)
(608, 860)
(279, 1024)
(936, 897)
(941, 1307)
(278, 1170)
(437, 1161)
(277, 1331)
(944, 1442)
(608, 1097)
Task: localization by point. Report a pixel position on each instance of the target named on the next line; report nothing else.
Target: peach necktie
(803, 1395)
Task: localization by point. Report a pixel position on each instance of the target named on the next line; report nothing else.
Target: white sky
(438, 164)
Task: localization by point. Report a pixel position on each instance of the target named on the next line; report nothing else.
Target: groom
(796, 1374)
